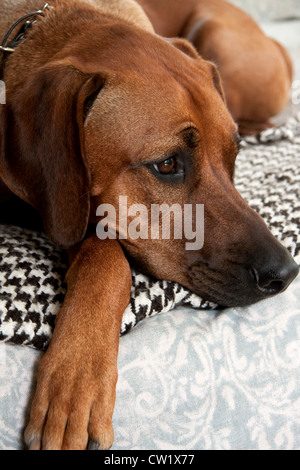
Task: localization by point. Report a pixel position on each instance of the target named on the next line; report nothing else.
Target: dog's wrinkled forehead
(146, 104)
(148, 100)
(153, 69)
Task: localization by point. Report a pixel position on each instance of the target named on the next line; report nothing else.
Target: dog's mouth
(237, 278)
(243, 286)
(222, 288)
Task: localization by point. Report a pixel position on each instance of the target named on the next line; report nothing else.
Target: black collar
(9, 47)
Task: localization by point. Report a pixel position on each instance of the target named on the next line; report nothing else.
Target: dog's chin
(225, 295)
(223, 287)
(222, 290)
(227, 299)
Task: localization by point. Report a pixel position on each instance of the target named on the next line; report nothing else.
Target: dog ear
(217, 80)
(187, 48)
(184, 46)
(42, 148)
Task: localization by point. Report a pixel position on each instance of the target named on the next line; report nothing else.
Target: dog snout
(241, 264)
(243, 282)
(274, 278)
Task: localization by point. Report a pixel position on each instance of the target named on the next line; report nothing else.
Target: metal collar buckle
(10, 47)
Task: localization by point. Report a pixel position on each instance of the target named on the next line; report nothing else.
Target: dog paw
(72, 408)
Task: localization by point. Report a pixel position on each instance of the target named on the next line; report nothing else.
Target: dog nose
(272, 280)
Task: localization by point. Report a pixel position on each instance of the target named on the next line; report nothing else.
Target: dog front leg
(75, 394)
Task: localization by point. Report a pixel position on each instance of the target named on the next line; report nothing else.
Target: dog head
(128, 114)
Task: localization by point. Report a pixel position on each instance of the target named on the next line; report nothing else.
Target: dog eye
(173, 168)
(170, 170)
(166, 167)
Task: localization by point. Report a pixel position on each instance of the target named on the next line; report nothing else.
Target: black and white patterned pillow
(32, 270)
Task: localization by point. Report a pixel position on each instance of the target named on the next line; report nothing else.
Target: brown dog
(256, 71)
(99, 107)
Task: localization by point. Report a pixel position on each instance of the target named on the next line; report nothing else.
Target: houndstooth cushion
(32, 270)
